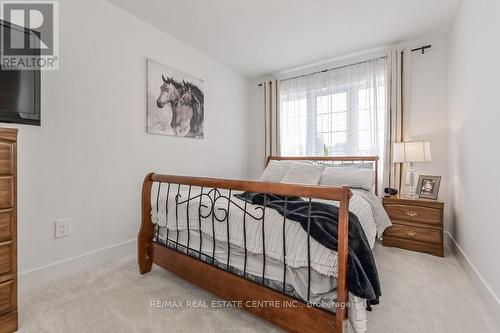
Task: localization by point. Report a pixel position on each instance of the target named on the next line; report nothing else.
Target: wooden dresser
(8, 230)
(417, 224)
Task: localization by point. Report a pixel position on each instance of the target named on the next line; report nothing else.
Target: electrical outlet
(62, 228)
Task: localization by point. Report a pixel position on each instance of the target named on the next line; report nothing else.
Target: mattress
(185, 211)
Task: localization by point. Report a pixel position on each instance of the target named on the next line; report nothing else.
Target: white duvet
(364, 204)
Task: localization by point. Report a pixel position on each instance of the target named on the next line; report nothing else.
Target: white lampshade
(409, 152)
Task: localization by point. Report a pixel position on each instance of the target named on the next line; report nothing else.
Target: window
(339, 112)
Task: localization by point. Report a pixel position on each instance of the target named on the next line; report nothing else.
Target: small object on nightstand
(417, 224)
(428, 186)
(390, 191)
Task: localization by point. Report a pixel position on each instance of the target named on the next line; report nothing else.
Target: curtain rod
(329, 69)
(423, 48)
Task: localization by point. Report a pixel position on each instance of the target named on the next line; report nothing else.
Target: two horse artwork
(175, 102)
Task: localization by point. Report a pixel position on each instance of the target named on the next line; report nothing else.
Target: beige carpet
(421, 293)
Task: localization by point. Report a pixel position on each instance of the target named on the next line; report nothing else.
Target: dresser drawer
(409, 213)
(6, 158)
(6, 232)
(7, 296)
(8, 322)
(6, 257)
(6, 192)
(415, 233)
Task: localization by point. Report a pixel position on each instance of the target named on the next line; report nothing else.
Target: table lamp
(411, 152)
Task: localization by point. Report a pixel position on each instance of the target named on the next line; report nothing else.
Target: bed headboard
(373, 160)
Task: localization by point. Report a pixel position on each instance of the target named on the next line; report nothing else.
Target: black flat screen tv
(19, 89)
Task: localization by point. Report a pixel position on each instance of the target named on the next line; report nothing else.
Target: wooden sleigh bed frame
(229, 286)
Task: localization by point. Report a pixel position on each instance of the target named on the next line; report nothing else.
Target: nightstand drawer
(415, 233)
(7, 297)
(414, 214)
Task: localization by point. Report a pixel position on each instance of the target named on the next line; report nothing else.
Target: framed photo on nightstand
(428, 186)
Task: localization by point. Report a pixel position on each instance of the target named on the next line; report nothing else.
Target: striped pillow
(353, 177)
(303, 173)
(275, 171)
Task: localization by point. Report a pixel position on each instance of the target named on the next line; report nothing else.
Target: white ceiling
(258, 37)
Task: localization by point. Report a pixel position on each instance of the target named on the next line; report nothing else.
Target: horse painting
(191, 103)
(178, 109)
(169, 91)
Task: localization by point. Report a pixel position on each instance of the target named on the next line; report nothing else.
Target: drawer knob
(411, 213)
(411, 233)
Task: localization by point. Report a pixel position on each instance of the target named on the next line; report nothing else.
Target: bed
(205, 231)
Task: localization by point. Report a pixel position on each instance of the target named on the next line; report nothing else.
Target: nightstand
(417, 224)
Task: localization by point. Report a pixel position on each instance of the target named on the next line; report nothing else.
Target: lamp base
(410, 182)
(412, 196)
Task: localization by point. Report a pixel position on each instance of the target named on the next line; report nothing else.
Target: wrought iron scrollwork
(215, 204)
(220, 212)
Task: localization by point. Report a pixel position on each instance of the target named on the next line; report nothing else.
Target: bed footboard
(146, 232)
(299, 316)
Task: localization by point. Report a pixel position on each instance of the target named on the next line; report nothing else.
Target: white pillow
(353, 177)
(275, 171)
(303, 173)
(348, 165)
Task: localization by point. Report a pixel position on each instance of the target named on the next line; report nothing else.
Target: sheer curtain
(339, 112)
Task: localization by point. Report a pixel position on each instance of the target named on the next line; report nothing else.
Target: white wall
(474, 138)
(88, 159)
(428, 112)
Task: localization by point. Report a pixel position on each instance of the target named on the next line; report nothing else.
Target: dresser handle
(411, 233)
(411, 214)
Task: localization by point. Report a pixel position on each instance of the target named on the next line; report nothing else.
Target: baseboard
(40, 276)
(485, 291)
(448, 243)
